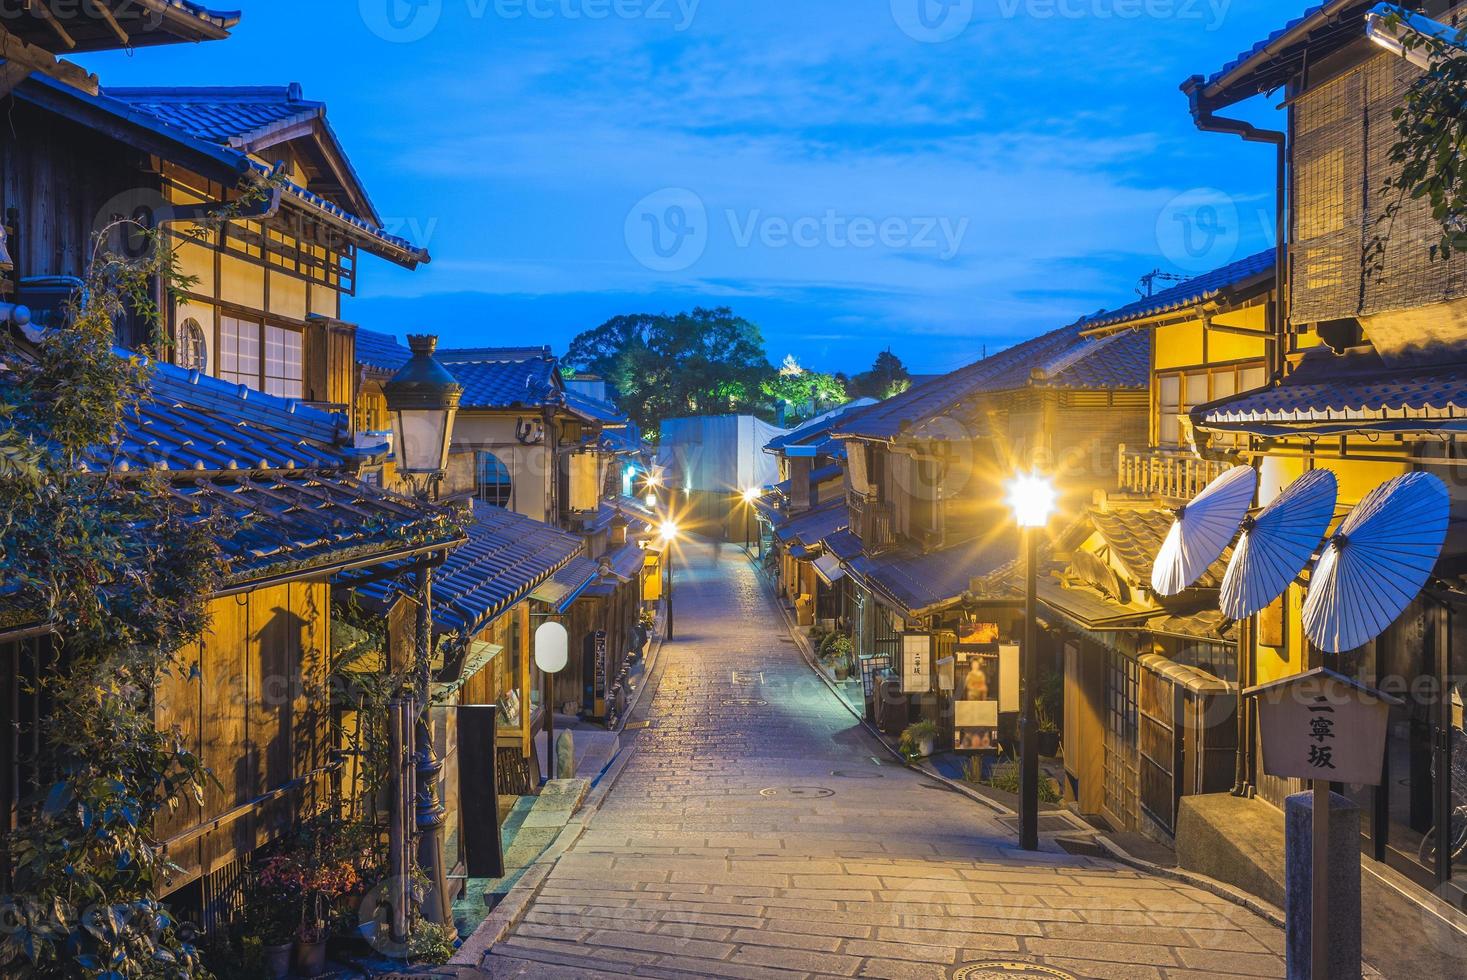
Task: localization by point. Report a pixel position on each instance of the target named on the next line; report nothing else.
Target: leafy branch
(1431, 130)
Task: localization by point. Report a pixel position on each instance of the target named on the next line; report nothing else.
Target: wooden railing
(1165, 472)
(871, 520)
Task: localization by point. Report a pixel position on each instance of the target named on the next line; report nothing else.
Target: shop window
(495, 485)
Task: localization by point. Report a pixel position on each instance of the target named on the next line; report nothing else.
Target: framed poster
(870, 664)
(976, 698)
(916, 663)
(1008, 677)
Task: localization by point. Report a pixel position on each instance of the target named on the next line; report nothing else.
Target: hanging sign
(916, 663)
(1323, 725)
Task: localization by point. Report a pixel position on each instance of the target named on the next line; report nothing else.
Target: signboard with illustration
(986, 683)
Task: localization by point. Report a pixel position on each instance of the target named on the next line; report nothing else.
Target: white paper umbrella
(1276, 544)
(1377, 562)
(1202, 530)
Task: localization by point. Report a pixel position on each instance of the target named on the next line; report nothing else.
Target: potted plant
(1048, 703)
(919, 739)
(431, 945)
(267, 918)
(312, 883)
(838, 654)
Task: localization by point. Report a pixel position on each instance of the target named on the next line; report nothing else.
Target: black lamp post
(423, 399)
(1032, 498)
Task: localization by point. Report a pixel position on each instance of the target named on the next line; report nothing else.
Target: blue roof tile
(506, 556)
(505, 377)
(1189, 293)
(381, 352)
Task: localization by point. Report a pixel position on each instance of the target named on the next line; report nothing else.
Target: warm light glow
(654, 479)
(751, 495)
(650, 500)
(1032, 498)
(669, 530)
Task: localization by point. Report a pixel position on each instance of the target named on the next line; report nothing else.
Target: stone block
(1344, 885)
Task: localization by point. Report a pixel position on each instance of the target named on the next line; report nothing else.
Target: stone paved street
(754, 833)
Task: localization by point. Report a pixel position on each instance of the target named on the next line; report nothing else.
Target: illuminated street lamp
(668, 533)
(750, 495)
(423, 398)
(1031, 497)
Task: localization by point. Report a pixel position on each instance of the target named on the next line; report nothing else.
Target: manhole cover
(994, 969)
(748, 677)
(798, 792)
(745, 702)
(856, 774)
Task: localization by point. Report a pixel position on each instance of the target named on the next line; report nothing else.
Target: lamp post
(423, 399)
(669, 536)
(750, 495)
(1032, 498)
(552, 653)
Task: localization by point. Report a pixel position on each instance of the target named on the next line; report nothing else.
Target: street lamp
(750, 495)
(1032, 498)
(552, 653)
(668, 532)
(423, 399)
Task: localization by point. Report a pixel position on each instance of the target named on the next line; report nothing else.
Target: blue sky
(849, 174)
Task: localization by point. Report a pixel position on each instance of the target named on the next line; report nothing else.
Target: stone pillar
(1344, 886)
(565, 756)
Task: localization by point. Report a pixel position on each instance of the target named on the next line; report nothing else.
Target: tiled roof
(1061, 358)
(1189, 293)
(811, 528)
(381, 352)
(191, 422)
(147, 128)
(143, 23)
(1331, 394)
(505, 384)
(506, 556)
(1135, 536)
(593, 409)
(918, 583)
(1331, 22)
(232, 116)
(562, 589)
(818, 426)
(819, 475)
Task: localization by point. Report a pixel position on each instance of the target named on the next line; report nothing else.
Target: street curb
(803, 644)
(1265, 910)
(512, 909)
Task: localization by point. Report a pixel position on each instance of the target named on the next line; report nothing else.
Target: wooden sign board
(916, 663)
(1322, 725)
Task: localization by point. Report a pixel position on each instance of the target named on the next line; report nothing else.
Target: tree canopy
(806, 393)
(888, 376)
(706, 361)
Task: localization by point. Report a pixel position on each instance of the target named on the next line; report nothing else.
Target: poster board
(986, 684)
(870, 664)
(916, 663)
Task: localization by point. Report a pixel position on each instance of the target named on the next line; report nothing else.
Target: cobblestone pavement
(753, 833)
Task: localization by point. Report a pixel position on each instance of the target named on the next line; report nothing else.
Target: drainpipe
(1203, 118)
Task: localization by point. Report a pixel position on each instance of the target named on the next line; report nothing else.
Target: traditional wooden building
(1367, 381)
(926, 522)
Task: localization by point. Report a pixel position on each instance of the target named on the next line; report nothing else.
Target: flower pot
(842, 672)
(277, 961)
(310, 958)
(925, 745)
(1049, 744)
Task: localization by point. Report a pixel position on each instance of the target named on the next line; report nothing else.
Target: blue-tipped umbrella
(1377, 562)
(1202, 530)
(1276, 544)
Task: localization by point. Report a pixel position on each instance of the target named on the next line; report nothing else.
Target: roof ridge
(290, 92)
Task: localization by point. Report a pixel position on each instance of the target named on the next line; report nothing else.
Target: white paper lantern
(552, 648)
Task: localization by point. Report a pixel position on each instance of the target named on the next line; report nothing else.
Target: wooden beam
(14, 50)
(42, 9)
(11, 73)
(105, 13)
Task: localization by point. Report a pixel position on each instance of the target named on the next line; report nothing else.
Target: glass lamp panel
(422, 440)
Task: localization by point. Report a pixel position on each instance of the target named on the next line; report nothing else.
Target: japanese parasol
(1202, 530)
(1377, 562)
(1276, 544)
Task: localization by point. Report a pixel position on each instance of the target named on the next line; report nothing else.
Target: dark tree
(667, 366)
(888, 376)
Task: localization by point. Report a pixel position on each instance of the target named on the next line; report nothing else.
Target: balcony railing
(871, 520)
(1166, 472)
